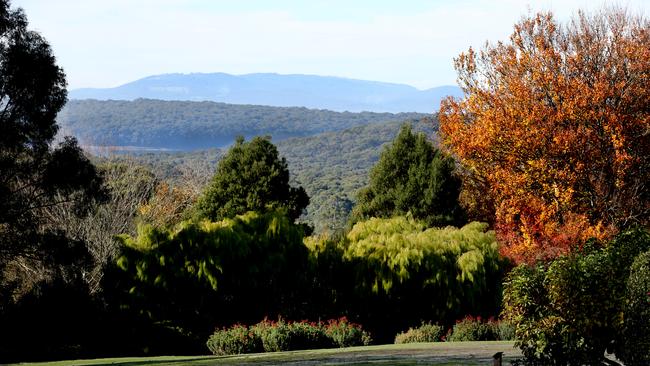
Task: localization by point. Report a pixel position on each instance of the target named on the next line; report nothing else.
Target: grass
(443, 353)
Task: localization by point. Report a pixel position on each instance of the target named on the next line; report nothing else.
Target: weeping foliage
(205, 273)
(452, 261)
(390, 274)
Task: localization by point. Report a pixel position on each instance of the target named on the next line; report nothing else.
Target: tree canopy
(251, 177)
(34, 176)
(412, 176)
(555, 125)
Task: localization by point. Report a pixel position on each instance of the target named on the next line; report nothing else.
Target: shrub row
(273, 336)
(467, 329)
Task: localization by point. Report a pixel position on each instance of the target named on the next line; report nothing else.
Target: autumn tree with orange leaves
(555, 128)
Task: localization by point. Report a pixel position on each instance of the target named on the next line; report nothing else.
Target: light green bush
(426, 332)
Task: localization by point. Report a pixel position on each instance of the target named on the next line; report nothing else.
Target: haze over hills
(310, 91)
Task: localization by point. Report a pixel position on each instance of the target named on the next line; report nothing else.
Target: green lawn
(452, 353)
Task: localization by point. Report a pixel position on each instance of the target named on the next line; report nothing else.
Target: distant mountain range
(310, 91)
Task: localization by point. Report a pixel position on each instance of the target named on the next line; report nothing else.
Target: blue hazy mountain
(321, 92)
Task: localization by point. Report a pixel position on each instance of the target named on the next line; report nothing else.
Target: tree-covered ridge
(186, 125)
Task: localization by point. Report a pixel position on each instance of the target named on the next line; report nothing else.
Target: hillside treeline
(185, 125)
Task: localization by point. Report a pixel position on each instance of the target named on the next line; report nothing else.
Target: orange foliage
(168, 206)
(556, 122)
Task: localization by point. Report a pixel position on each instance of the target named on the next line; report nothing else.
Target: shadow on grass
(180, 361)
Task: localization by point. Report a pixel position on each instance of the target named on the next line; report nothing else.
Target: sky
(106, 43)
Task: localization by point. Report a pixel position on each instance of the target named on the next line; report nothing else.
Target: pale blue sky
(105, 43)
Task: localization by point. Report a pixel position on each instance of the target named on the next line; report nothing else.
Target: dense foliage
(391, 273)
(570, 311)
(554, 125)
(636, 326)
(200, 125)
(251, 177)
(203, 274)
(36, 176)
(553, 138)
(454, 263)
(275, 336)
(412, 177)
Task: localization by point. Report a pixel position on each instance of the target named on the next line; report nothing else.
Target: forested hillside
(331, 166)
(184, 125)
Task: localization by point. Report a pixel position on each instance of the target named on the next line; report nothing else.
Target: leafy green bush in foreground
(426, 332)
(636, 328)
(570, 311)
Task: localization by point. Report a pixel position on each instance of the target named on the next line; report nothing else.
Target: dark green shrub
(234, 340)
(426, 332)
(251, 177)
(245, 267)
(636, 328)
(570, 311)
(474, 329)
(346, 334)
(563, 313)
(412, 176)
(274, 335)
